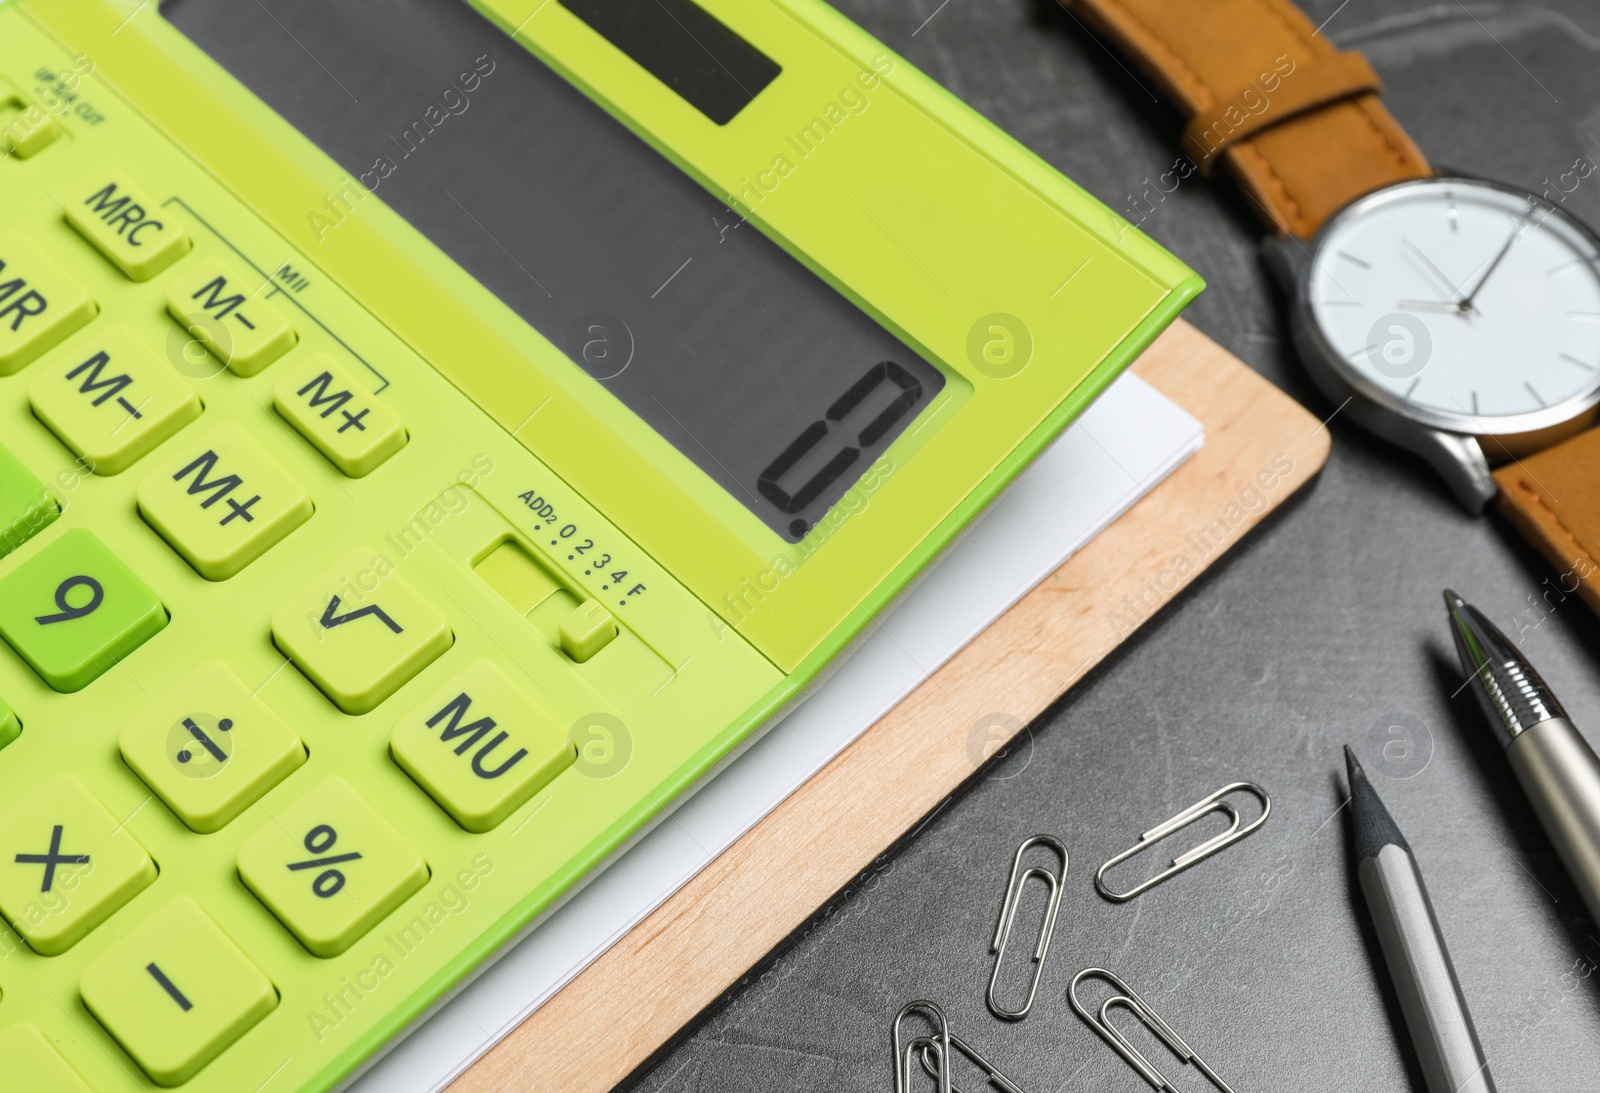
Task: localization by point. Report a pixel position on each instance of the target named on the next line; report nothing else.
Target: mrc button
(39, 305)
(221, 502)
(136, 234)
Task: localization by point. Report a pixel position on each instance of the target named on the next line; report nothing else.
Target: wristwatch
(1454, 316)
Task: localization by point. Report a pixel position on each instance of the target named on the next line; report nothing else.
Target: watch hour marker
(1474, 403)
(1568, 267)
(1585, 365)
(1584, 316)
(1341, 303)
(1455, 219)
(1413, 386)
(1535, 394)
(1347, 255)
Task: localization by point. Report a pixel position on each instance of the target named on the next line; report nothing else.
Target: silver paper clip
(933, 1062)
(1201, 808)
(902, 1057)
(1129, 999)
(1008, 914)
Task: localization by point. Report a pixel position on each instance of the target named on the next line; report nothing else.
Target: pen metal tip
(1513, 696)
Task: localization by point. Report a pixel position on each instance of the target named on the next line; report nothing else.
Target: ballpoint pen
(1558, 770)
(1413, 947)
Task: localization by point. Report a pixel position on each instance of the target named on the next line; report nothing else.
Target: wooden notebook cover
(621, 1010)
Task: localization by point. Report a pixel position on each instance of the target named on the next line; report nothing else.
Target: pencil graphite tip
(1374, 827)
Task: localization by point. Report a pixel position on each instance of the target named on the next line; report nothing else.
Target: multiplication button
(175, 992)
(209, 748)
(330, 868)
(65, 865)
(222, 502)
(480, 747)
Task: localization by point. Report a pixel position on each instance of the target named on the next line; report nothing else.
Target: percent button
(330, 868)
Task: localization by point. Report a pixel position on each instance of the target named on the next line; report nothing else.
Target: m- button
(221, 307)
(65, 865)
(222, 502)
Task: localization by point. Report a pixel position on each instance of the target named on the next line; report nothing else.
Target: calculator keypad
(209, 748)
(223, 307)
(222, 502)
(112, 401)
(26, 507)
(360, 632)
(74, 611)
(333, 410)
(28, 1060)
(65, 865)
(127, 227)
(480, 747)
(175, 992)
(39, 305)
(330, 868)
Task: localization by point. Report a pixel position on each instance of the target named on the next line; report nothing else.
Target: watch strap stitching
(1334, 78)
(1539, 510)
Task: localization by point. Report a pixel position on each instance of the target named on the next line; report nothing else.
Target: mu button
(222, 502)
(65, 865)
(480, 748)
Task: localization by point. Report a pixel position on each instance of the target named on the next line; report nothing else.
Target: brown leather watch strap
(1553, 500)
(1297, 122)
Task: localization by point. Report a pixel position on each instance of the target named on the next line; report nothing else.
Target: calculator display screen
(750, 365)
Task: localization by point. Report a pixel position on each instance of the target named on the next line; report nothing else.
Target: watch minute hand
(1466, 301)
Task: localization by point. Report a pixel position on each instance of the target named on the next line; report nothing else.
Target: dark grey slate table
(1325, 627)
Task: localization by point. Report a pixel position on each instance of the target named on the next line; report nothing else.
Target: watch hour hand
(1425, 264)
(1431, 305)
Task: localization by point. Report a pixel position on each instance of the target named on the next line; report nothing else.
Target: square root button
(360, 632)
(330, 868)
(65, 865)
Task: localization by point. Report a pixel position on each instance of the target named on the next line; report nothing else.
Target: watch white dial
(1462, 304)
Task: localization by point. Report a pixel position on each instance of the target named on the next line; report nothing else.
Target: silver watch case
(1456, 445)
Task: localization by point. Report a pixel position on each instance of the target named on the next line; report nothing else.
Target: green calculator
(433, 438)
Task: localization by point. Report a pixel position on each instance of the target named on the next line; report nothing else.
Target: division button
(330, 868)
(112, 401)
(209, 748)
(137, 235)
(221, 502)
(480, 748)
(225, 308)
(65, 865)
(175, 992)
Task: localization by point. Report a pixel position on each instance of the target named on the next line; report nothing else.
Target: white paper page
(1122, 446)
